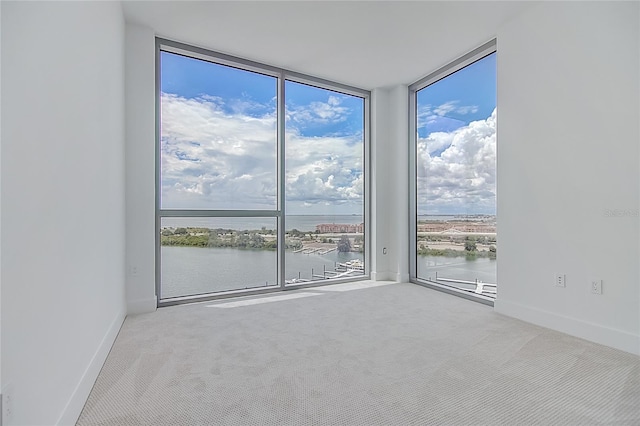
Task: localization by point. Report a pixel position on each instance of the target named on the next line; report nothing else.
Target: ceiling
(360, 43)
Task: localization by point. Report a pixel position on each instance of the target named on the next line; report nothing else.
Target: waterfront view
(191, 270)
(225, 166)
(458, 251)
(207, 255)
(455, 146)
(222, 160)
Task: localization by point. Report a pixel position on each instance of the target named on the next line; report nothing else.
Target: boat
(355, 264)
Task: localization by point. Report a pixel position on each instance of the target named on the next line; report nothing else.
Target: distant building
(335, 228)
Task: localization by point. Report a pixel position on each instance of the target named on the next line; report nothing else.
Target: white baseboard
(142, 306)
(596, 333)
(401, 278)
(389, 276)
(380, 276)
(81, 393)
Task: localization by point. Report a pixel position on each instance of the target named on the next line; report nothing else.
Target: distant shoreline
(263, 239)
(445, 238)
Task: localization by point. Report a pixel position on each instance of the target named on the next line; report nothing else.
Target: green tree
(293, 244)
(295, 233)
(270, 245)
(470, 244)
(249, 240)
(344, 245)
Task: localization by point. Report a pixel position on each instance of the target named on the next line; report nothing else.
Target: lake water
(459, 268)
(195, 270)
(434, 268)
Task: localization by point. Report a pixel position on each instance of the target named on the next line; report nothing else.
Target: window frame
(475, 55)
(281, 75)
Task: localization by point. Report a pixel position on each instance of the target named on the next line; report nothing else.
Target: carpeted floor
(356, 354)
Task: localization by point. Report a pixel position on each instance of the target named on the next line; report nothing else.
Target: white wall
(390, 192)
(389, 175)
(140, 168)
(397, 202)
(380, 190)
(568, 153)
(62, 202)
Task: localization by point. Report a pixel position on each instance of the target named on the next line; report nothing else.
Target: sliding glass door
(260, 176)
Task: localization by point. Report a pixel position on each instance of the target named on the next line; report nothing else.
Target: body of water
(195, 270)
(459, 268)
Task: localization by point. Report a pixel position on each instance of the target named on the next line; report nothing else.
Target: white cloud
(249, 106)
(319, 112)
(452, 106)
(445, 108)
(438, 116)
(324, 169)
(217, 160)
(456, 170)
(212, 159)
(468, 109)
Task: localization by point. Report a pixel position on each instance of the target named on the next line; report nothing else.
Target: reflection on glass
(324, 164)
(218, 136)
(456, 169)
(208, 255)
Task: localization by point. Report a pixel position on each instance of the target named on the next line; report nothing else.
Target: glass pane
(324, 184)
(208, 255)
(456, 179)
(218, 136)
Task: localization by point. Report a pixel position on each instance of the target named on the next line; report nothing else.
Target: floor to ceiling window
(324, 184)
(260, 176)
(453, 129)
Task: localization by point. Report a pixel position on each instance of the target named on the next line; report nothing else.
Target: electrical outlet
(596, 286)
(561, 280)
(7, 404)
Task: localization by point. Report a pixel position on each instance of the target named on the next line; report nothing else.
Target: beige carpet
(396, 354)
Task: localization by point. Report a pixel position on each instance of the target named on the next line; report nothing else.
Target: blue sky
(470, 93)
(456, 142)
(219, 141)
(191, 78)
